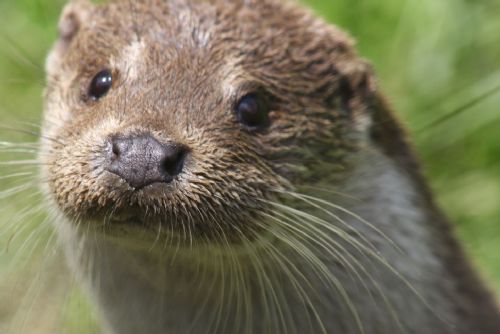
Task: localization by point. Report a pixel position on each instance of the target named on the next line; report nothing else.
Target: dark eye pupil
(101, 84)
(252, 111)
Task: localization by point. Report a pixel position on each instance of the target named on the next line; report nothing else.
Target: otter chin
(232, 167)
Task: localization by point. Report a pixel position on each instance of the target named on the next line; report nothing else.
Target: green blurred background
(437, 60)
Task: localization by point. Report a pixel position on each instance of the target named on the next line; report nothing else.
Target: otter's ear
(73, 16)
(358, 81)
(358, 92)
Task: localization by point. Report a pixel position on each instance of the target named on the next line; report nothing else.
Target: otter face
(193, 114)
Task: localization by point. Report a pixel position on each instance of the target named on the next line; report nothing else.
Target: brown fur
(196, 60)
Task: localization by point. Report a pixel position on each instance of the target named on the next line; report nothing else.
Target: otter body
(230, 167)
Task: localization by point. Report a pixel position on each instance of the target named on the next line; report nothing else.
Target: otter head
(193, 115)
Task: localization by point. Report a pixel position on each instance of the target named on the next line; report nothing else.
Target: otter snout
(141, 160)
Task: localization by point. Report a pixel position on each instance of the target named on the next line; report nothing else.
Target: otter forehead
(176, 40)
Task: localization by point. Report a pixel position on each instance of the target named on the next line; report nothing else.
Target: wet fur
(219, 250)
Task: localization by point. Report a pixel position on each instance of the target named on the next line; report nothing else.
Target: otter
(232, 167)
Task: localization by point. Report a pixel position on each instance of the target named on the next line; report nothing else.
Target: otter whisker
(222, 297)
(364, 250)
(178, 239)
(7, 144)
(21, 163)
(108, 216)
(243, 288)
(36, 125)
(284, 263)
(211, 287)
(32, 133)
(343, 223)
(23, 249)
(157, 238)
(34, 297)
(360, 247)
(52, 238)
(229, 251)
(190, 232)
(233, 282)
(19, 230)
(310, 199)
(330, 227)
(319, 266)
(18, 150)
(268, 294)
(16, 190)
(279, 300)
(328, 190)
(325, 275)
(17, 175)
(234, 290)
(325, 242)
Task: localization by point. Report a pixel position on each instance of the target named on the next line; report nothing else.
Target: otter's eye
(101, 84)
(252, 111)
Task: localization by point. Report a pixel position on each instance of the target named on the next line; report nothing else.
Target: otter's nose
(142, 160)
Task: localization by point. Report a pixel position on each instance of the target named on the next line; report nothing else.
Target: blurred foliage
(432, 59)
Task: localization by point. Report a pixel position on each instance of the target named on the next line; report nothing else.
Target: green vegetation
(433, 58)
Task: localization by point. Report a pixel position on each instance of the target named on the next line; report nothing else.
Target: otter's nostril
(115, 149)
(173, 162)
